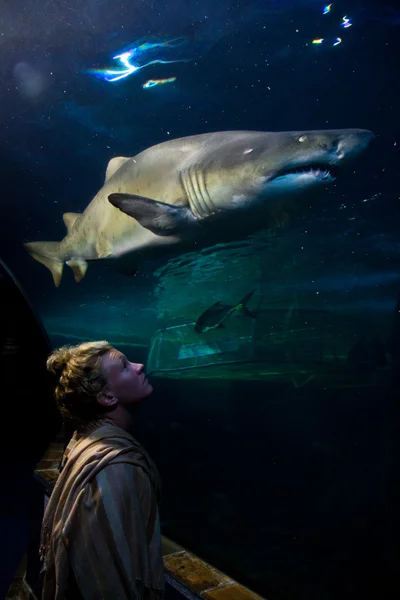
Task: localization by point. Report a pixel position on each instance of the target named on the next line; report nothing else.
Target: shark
(216, 315)
(197, 191)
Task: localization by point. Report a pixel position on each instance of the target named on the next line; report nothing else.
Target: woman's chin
(148, 389)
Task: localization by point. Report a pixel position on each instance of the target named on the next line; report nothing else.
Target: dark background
(293, 491)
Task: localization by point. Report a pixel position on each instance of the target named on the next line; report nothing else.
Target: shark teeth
(317, 170)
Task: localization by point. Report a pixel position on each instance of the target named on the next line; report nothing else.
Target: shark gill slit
(199, 201)
(193, 199)
(199, 192)
(187, 185)
(201, 183)
(212, 209)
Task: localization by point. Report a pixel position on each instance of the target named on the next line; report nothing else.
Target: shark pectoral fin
(69, 219)
(79, 267)
(103, 248)
(158, 217)
(113, 166)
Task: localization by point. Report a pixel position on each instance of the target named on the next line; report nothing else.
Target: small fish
(214, 316)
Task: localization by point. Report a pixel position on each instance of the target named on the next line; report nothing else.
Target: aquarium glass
(212, 187)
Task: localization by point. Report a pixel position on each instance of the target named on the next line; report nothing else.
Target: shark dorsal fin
(69, 219)
(114, 165)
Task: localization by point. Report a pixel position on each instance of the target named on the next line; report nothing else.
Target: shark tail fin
(47, 254)
(243, 305)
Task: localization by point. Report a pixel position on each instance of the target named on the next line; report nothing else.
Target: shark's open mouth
(318, 170)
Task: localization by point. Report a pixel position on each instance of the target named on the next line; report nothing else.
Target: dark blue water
(282, 470)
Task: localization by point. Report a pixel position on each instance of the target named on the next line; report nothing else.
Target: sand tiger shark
(201, 190)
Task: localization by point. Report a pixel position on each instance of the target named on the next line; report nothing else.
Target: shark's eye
(302, 138)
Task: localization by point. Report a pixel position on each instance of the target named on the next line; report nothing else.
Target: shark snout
(352, 142)
(318, 157)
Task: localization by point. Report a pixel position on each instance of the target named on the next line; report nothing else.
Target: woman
(101, 530)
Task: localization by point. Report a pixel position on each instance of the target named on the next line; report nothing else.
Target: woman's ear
(106, 399)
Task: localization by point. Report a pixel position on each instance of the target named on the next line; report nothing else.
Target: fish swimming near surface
(199, 191)
(215, 316)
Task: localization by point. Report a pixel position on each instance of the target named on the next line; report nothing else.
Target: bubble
(30, 82)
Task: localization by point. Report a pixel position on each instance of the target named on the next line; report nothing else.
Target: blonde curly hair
(79, 379)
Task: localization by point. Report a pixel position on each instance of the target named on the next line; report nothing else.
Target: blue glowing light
(124, 59)
(142, 55)
(346, 22)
